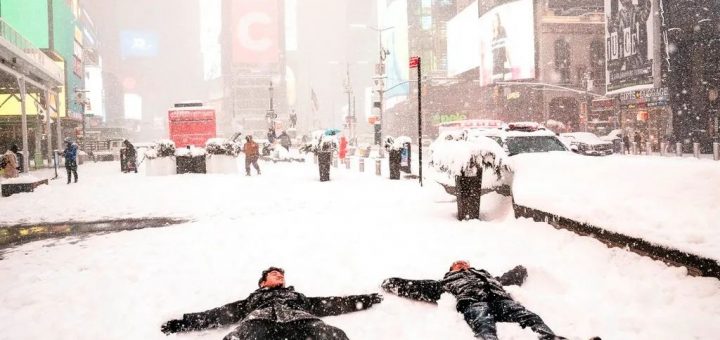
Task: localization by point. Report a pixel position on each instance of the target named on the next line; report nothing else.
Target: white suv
(524, 137)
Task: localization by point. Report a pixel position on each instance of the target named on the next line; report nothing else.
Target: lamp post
(380, 70)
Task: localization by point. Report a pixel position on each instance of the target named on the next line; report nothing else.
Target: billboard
(256, 32)
(395, 40)
(463, 36)
(138, 44)
(210, 29)
(629, 42)
(507, 41)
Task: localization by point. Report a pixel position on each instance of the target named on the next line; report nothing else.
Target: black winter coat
(276, 304)
(468, 286)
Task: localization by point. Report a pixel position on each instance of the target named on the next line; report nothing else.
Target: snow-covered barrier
(673, 203)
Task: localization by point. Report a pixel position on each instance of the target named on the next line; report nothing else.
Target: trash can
(468, 191)
(394, 159)
(324, 161)
(190, 164)
(127, 163)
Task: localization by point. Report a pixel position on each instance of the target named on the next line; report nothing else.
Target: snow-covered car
(525, 137)
(587, 143)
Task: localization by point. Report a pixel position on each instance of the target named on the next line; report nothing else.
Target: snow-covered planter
(323, 147)
(221, 156)
(464, 158)
(160, 159)
(396, 143)
(469, 166)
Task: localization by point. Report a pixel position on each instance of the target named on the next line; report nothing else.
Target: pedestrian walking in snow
(638, 142)
(626, 143)
(285, 140)
(276, 312)
(70, 154)
(9, 162)
(342, 150)
(130, 156)
(481, 298)
(252, 153)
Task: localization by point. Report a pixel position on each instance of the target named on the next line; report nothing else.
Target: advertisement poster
(629, 44)
(507, 41)
(256, 32)
(395, 40)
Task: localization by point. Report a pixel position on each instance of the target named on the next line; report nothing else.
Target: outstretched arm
(421, 290)
(336, 305)
(515, 276)
(217, 317)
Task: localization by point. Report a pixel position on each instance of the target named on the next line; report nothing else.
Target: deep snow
(334, 238)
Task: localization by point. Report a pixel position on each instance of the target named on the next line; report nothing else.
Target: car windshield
(529, 144)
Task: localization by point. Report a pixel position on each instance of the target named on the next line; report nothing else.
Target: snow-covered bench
(21, 184)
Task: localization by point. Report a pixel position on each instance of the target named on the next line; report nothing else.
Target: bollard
(347, 163)
(663, 146)
(335, 162)
(678, 149)
(696, 150)
(716, 151)
(361, 165)
(377, 167)
(634, 148)
(648, 148)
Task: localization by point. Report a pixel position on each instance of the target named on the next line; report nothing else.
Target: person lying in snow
(481, 298)
(276, 312)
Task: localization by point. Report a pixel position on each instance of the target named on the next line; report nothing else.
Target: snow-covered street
(336, 238)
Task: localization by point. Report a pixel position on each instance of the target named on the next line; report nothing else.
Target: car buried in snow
(587, 143)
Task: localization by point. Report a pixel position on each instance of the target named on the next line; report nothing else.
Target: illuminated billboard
(629, 34)
(507, 41)
(256, 32)
(138, 44)
(210, 29)
(462, 41)
(395, 40)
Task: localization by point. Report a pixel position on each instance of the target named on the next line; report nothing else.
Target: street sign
(414, 62)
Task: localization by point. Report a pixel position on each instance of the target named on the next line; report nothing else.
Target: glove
(391, 285)
(376, 298)
(172, 326)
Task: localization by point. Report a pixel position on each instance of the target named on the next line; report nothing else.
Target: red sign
(414, 62)
(256, 32)
(191, 127)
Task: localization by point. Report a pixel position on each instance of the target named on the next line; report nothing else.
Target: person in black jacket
(481, 298)
(275, 312)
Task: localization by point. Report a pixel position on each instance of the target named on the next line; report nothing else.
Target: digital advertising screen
(507, 41)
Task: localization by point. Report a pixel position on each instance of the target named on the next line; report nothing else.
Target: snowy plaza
(340, 237)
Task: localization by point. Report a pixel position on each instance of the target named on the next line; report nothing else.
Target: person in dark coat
(638, 142)
(271, 136)
(276, 312)
(70, 153)
(130, 156)
(285, 140)
(626, 143)
(480, 296)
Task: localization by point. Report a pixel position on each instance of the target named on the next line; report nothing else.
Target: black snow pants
(482, 316)
(71, 167)
(295, 330)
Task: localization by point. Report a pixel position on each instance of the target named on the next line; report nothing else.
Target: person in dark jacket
(130, 156)
(480, 296)
(638, 142)
(285, 140)
(626, 143)
(70, 154)
(271, 135)
(276, 312)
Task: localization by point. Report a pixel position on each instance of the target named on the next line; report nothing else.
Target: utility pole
(415, 62)
(350, 114)
(270, 115)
